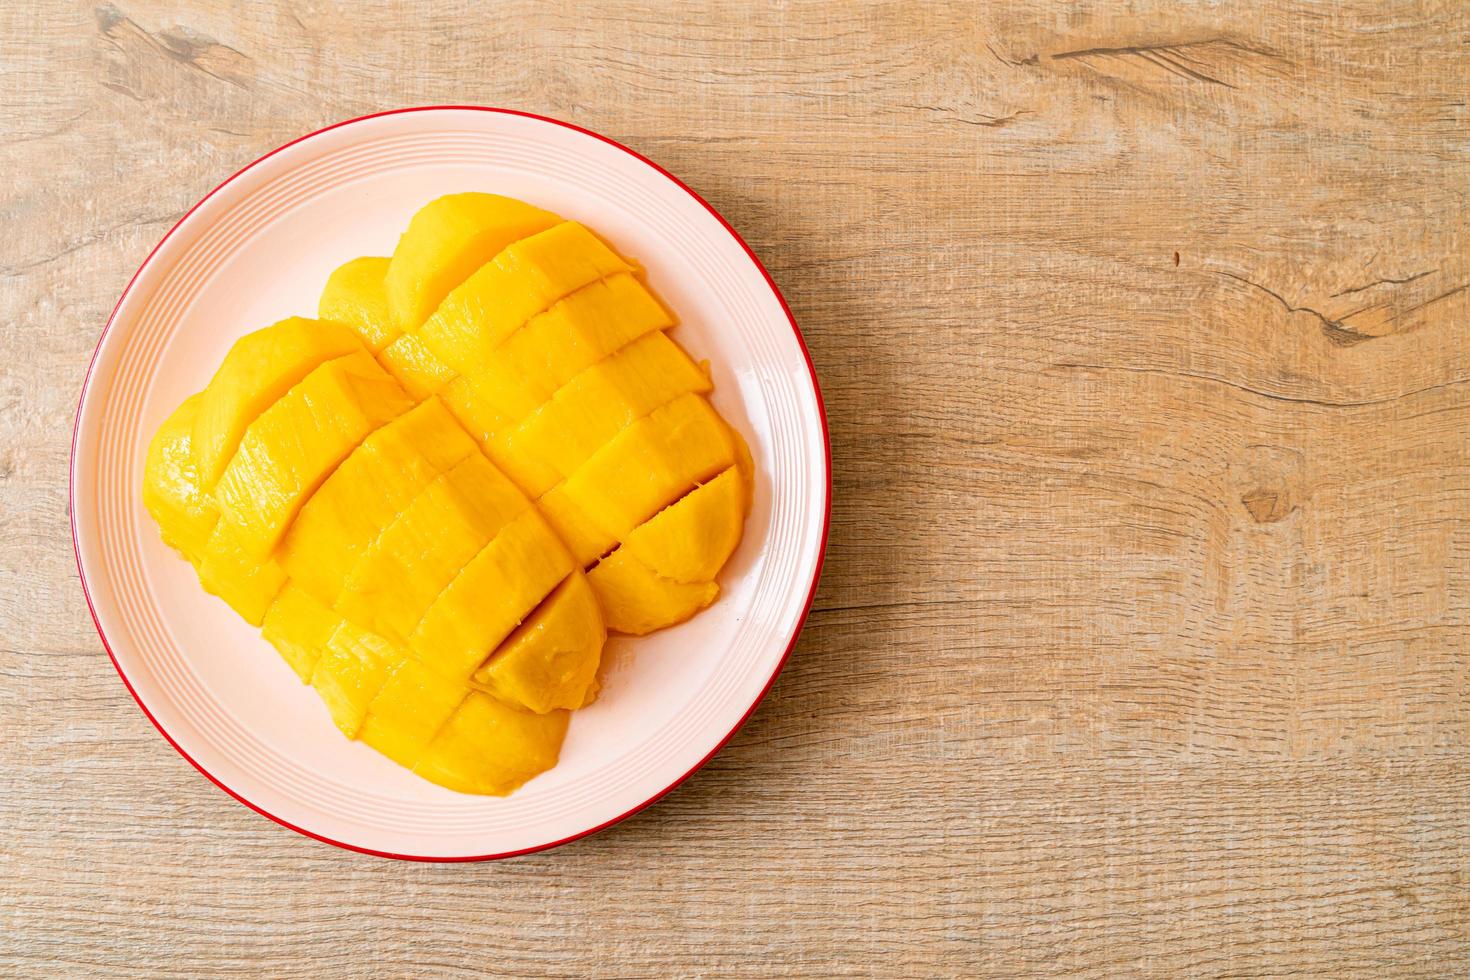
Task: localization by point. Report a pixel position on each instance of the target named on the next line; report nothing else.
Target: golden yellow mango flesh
(638, 600)
(547, 355)
(489, 747)
(404, 494)
(367, 492)
(652, 462)
(446, 241)
(186, 515)
(541, 664)
(423, 549)
(529, 366)
(229, 569)
(491, 595)
(299, 626)
(355, 295)
(593, 407)
(690, 540)
(259, 369)
(295, 444)
(522, 281)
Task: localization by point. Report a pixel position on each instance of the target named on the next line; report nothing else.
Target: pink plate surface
(257, 249)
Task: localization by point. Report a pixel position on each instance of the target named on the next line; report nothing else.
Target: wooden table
(1142, 648)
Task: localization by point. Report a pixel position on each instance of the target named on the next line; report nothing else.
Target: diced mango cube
(551, 659)
(691, 539)
(491, 748)
(637, 600)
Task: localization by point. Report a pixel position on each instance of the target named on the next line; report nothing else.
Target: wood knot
(1266, 506)
(1271, 477)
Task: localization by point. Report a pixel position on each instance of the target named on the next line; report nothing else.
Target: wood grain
(1142, 649)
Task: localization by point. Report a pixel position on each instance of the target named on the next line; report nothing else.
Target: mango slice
(551, 660)
(410, 361)
(410, 708)
(584, 539)
(299, 626)
(367, 492)
(527, 368)
(171, 486)
(258, 370)
(447, 240)
(650, 464)
(637, 600)
(592, 408)
(375, 692)
(523, 280)
(229, 569)
(356, 295)
(490, 597)
(352, 669)
(691, 539)
(491, 748)
(295, 444)
(422, 551)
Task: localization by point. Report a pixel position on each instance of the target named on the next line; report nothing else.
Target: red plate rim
(795, 635)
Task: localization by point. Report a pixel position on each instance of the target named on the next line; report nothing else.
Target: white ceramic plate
(258, 248)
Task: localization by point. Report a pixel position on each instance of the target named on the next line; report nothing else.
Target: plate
(257, 249)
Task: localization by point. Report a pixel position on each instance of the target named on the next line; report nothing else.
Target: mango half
(436, 498)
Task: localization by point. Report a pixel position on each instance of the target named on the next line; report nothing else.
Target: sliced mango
(410, 361)
(594, 407)
(551, 660)
(295, 444)
(490, 597)
(479, 416)
(228, 569)
(423, 550)
(491, 748)
(583, 537)
(527, 368)
(361, 486)
(259, 369)
(522, 281)
(637, 600)
(367, 492)
(651, 463)
(299, 626)
(691, 539)
(447, 240)
(355, 295)
(408, 711)
(353, 667)
(186, 515)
